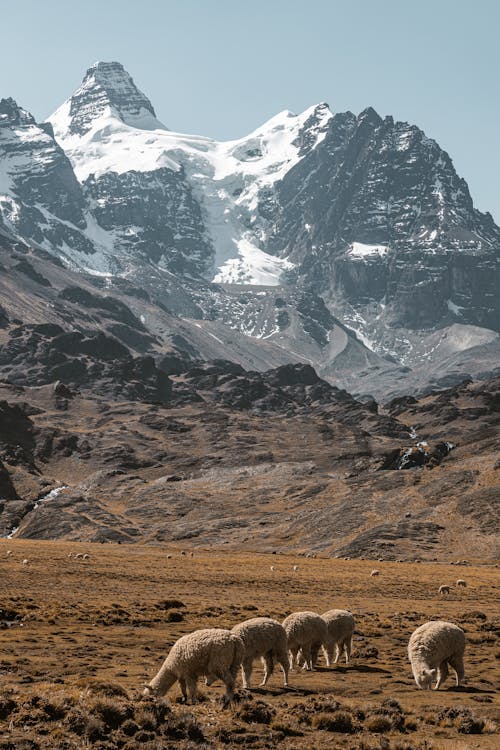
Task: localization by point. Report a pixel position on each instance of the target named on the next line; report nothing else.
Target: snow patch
(360, 250)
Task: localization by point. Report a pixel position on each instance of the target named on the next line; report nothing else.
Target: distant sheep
(295, 568)
(375, 573)
(340, 625)
(272, 568)
(443, 590)
(306, 632)
(169, 557)
(433, 647)
(70, 555)
(86, 557)
(26, 562)
(266, 639)
(214, 652)
(461, 583)
(79, 556)
(9, 552)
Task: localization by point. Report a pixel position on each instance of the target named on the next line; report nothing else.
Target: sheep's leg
(228, 679)
(293, 656)
(442, 674)
(285, 666)
(268, 661)
(326, 654)
(457, 663)
(191, 688)
(348, 648)
(246, 672)
(182, 684)
(306, 653)
(314, 653)
(337, 653)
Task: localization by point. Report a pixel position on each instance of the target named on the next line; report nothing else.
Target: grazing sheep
(214, 652)
(26, 562)
(272, 568)
(295, 568)
(86, 557)
(70, 555)
(340, 625)
(79, 556)
(375, 573)
(9, 552)
(433, 647)
(461, 583)
(443, 590)
(264, 638)
(306, 632)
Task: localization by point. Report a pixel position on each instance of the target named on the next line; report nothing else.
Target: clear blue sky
(222, 67)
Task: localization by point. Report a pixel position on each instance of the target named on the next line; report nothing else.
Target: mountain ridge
(363, 213)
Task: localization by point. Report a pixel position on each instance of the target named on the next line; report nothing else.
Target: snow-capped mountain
(310, 220)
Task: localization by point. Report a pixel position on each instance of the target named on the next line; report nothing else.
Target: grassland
(80, 637)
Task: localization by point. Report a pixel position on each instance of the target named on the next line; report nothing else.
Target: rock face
(40, 197)
(347, 241)
(386, 213)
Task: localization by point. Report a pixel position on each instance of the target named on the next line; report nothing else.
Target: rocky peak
(12, 114)
(107, 88)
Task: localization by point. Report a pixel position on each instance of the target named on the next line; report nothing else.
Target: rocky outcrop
(42, 354)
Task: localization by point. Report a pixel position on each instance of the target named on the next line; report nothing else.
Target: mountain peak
(107, 90)
(12, 114)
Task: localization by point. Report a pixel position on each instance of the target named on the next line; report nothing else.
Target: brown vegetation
(80, 638)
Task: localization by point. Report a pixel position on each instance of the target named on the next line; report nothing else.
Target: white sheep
(375, 572)
(306, 632)
(70, 555)
(295, 568)
(340, 625)
(272, 568)
(9, 552)
(169, 557)
(443, 590)
(26, 562)
(433, 647)
(79, 556)
(216, 653)
(461, 583)
(266, 639)
(86, 557)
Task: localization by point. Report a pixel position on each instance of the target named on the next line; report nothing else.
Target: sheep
(169, 557)
(70, 555)
(375, 573)
(432, 648)
(306, 632)
(340, 625)
(9, 552)
(443, 590)
(295, 568)
(86, 557)
(26, 562)
(79, 556)
(461, 583)
(265, 638)
(213, 652)
(272, 568)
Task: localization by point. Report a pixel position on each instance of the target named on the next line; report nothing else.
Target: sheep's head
(425, 677)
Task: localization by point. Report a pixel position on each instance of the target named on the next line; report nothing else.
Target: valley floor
(80, 638)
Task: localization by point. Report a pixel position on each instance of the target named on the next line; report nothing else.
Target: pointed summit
(107, 90)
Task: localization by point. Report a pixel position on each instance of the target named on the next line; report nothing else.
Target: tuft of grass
(338, 721)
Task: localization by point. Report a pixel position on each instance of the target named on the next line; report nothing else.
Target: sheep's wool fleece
(193, 653)
(339, 622)
(259, 634)
(304, 627)
(433, 642)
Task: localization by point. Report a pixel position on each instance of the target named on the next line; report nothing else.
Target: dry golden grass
(88, 633)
